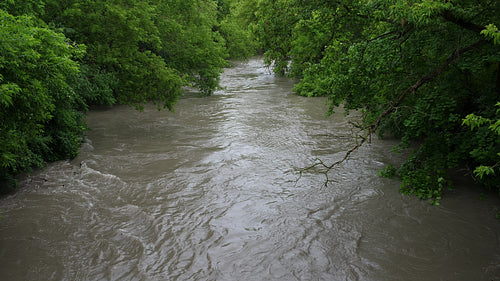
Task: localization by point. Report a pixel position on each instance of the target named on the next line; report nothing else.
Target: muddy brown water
(212, 192)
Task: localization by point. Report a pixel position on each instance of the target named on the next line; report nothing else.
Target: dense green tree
(23, 7)
(414, 68)
(38, 106)
(190, 43)
(121, 37)
(237, 26)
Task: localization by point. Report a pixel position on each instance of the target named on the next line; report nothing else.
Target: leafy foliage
(188, 43)
(145, 50)
(486, 152)
(414, 68)
(238, 26)
(38, 106)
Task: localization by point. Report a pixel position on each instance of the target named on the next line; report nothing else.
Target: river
(212, 192)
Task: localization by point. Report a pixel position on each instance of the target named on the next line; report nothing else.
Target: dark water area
(212, 192)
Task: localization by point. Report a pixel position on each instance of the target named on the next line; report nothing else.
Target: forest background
(426, 72)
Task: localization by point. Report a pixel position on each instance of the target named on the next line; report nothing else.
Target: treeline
(59, 57)
(425, 71)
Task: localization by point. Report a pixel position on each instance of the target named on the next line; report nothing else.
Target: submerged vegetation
(424, 71)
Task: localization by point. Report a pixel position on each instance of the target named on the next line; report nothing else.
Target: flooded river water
(212, 192)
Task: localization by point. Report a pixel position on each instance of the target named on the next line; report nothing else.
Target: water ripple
(210, 192)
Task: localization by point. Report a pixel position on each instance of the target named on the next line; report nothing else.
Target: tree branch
(372, 128)
(449, 16)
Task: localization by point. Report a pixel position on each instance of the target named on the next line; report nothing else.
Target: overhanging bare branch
(372, 128)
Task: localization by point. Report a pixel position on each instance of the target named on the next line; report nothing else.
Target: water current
(212, 192)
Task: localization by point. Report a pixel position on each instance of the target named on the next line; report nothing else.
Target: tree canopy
(414, 68)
